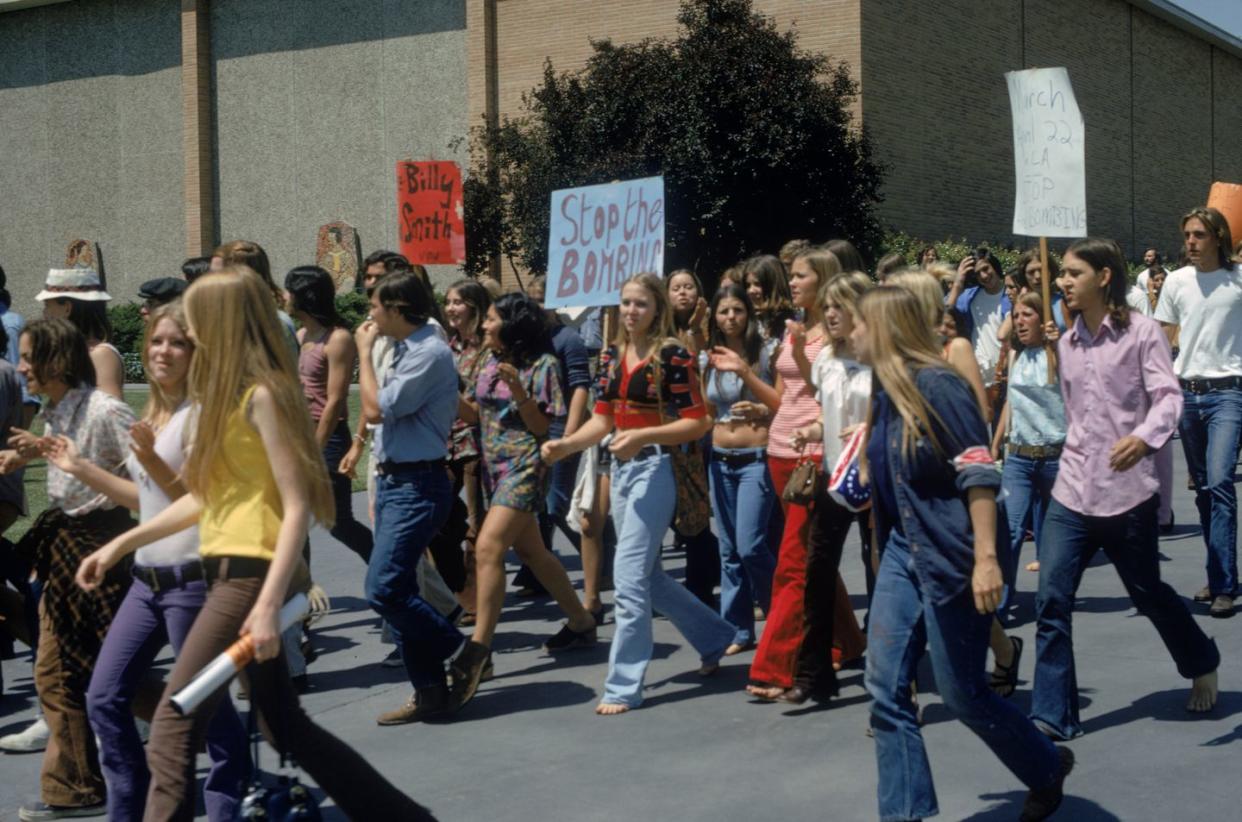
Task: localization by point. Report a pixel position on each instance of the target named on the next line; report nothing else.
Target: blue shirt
(13, 325)
(724, 388)
(575, 371)
(418, 400)
(924, 494)
(1036, 408)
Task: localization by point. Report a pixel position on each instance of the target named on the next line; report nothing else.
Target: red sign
(429, 213)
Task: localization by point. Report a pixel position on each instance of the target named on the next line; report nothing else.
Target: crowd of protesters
(951, 414)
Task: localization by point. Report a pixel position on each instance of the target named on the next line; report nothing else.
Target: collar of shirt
(56, 416)
(1081, 334)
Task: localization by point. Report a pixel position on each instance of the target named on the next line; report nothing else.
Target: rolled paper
(237, 656)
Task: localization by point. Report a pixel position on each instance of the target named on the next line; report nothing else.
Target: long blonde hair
(926, 289)
(845, 290)
(901, 343)
(160, 404)
(241, 345)
(661, 329)
(826, 266)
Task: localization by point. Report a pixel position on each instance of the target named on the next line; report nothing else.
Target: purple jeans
(146, 621)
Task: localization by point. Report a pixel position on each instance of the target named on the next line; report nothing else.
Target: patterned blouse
(464, 437)
(98, 424)
(630, 397)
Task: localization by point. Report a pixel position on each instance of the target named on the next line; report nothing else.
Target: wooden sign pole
(1045, 287)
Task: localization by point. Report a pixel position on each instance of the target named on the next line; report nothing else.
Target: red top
(630, 398)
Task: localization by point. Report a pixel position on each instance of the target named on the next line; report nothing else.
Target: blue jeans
(902, 622)
(1027, 485)
(410, 507)
(145, 621)
(349, 531)
(563, 475)
(1131, 542)
(1211, 429)
(742, 500)
(643, 498)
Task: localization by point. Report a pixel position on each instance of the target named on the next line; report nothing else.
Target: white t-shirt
(987, 316)
(1136, 298)
(170, 445)
(843, 388)
(1208, 307)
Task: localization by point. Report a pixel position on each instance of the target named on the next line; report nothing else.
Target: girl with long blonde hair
(644, 373)
(256, 478)
(168, 590)
(933, 487)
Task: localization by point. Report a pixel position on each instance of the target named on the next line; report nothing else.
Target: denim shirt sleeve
(964, 432)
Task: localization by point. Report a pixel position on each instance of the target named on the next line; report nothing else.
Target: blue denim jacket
(929, 489)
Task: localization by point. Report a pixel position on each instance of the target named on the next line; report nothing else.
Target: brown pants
(353, 784)
(70, 775)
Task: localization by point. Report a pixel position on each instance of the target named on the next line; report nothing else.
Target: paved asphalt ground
(529, 747)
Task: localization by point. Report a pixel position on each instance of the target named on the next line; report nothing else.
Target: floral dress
(515, 472)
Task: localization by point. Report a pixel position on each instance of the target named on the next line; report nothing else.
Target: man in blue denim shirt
(416, 406)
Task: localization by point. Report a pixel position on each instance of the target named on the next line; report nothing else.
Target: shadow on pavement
(1166, 706)
(529, 696)
(1009, 805)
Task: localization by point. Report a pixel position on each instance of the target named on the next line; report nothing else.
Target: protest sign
(430, 229)
(1049, 166)
(601, 235)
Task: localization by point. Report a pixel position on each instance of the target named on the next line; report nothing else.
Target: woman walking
(642, 375)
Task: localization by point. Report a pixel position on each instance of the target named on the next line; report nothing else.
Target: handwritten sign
(430, 229)
(1049, 168)
(601, 235)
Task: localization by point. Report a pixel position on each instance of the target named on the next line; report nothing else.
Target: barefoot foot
(1203, 692)
(737, 648)
(611, 709)
(1032, 566)
(763, 692)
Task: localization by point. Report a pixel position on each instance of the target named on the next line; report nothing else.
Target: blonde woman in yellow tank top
(256, 478)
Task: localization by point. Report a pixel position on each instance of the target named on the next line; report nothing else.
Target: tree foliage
(752, 134)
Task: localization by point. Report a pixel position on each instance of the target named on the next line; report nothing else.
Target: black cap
(162, 289)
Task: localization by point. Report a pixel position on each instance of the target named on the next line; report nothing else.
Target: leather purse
(805, 481)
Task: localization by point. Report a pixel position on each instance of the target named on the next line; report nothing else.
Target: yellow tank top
(244, 515)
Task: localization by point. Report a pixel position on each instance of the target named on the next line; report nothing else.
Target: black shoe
(1167, 528)
(1042, 803)
(567, 639)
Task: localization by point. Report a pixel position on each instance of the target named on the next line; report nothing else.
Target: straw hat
(73, 284)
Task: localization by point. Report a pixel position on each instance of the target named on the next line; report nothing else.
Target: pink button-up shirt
(1115, 384)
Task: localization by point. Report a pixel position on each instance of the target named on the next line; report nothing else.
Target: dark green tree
(752, 134)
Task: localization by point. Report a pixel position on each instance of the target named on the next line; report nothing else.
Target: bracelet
(360, 439)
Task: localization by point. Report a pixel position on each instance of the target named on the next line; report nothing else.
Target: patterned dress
(515, 472)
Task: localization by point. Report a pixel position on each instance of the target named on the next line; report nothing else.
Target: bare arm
(64, 455)
(962, 358)
(341, 352)
(986, 581)
(588, 434)
(183, 513)
(109, 371)
(368, 386)
(577, 410)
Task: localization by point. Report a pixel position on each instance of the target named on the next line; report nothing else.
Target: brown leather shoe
(1222, 607)
(1204, 594)
(467, 671)
(796, 695)
(426, 703)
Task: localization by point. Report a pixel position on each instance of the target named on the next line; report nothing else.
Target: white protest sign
(1049, 166)
(601, 235)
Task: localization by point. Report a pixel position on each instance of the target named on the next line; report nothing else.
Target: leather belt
(735, 459)
(168, 577)
(1213, 384)
(1037, 452)
(226, 568)
(389, 467)
(645, 452)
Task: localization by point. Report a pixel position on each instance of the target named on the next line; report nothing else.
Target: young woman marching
(642, 373)
(772, 671)
(843, 388)
(168, 589)
(517, 394)
(326, 360)
(255, 477)
(933, 487)
(72, 623)
(737, 386)
(1122, 403)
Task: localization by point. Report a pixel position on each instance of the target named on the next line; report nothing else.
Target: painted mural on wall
(338, 251)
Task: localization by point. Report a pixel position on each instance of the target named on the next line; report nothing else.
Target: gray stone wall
(315, 102)
(90, 140)
(315, 109)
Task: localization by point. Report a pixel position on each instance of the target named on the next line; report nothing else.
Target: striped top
(799, 407)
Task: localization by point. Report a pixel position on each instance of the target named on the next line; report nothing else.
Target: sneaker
(393, 660)
(426, 703)
(39, 811)
(31, 740)
(1042, 803)
(567, 639)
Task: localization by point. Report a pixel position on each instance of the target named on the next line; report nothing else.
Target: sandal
(1005, 677)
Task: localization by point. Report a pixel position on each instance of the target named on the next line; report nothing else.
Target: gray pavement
(529, 746)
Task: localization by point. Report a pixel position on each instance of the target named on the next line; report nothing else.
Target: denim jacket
(929, 489)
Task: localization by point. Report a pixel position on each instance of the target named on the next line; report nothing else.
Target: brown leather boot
(467, 672)
(426, 703)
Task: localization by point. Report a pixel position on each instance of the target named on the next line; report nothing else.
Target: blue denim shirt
(928, 490)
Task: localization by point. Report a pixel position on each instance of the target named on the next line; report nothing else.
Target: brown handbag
(805, 482)
(693, 511)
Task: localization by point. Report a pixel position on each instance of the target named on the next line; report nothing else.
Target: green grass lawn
(36, 472)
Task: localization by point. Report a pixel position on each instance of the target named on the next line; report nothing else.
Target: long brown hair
(240, 345)
(58, 352)
(160, 404)
(901, 343)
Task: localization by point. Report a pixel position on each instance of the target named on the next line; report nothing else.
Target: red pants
(776, 657)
